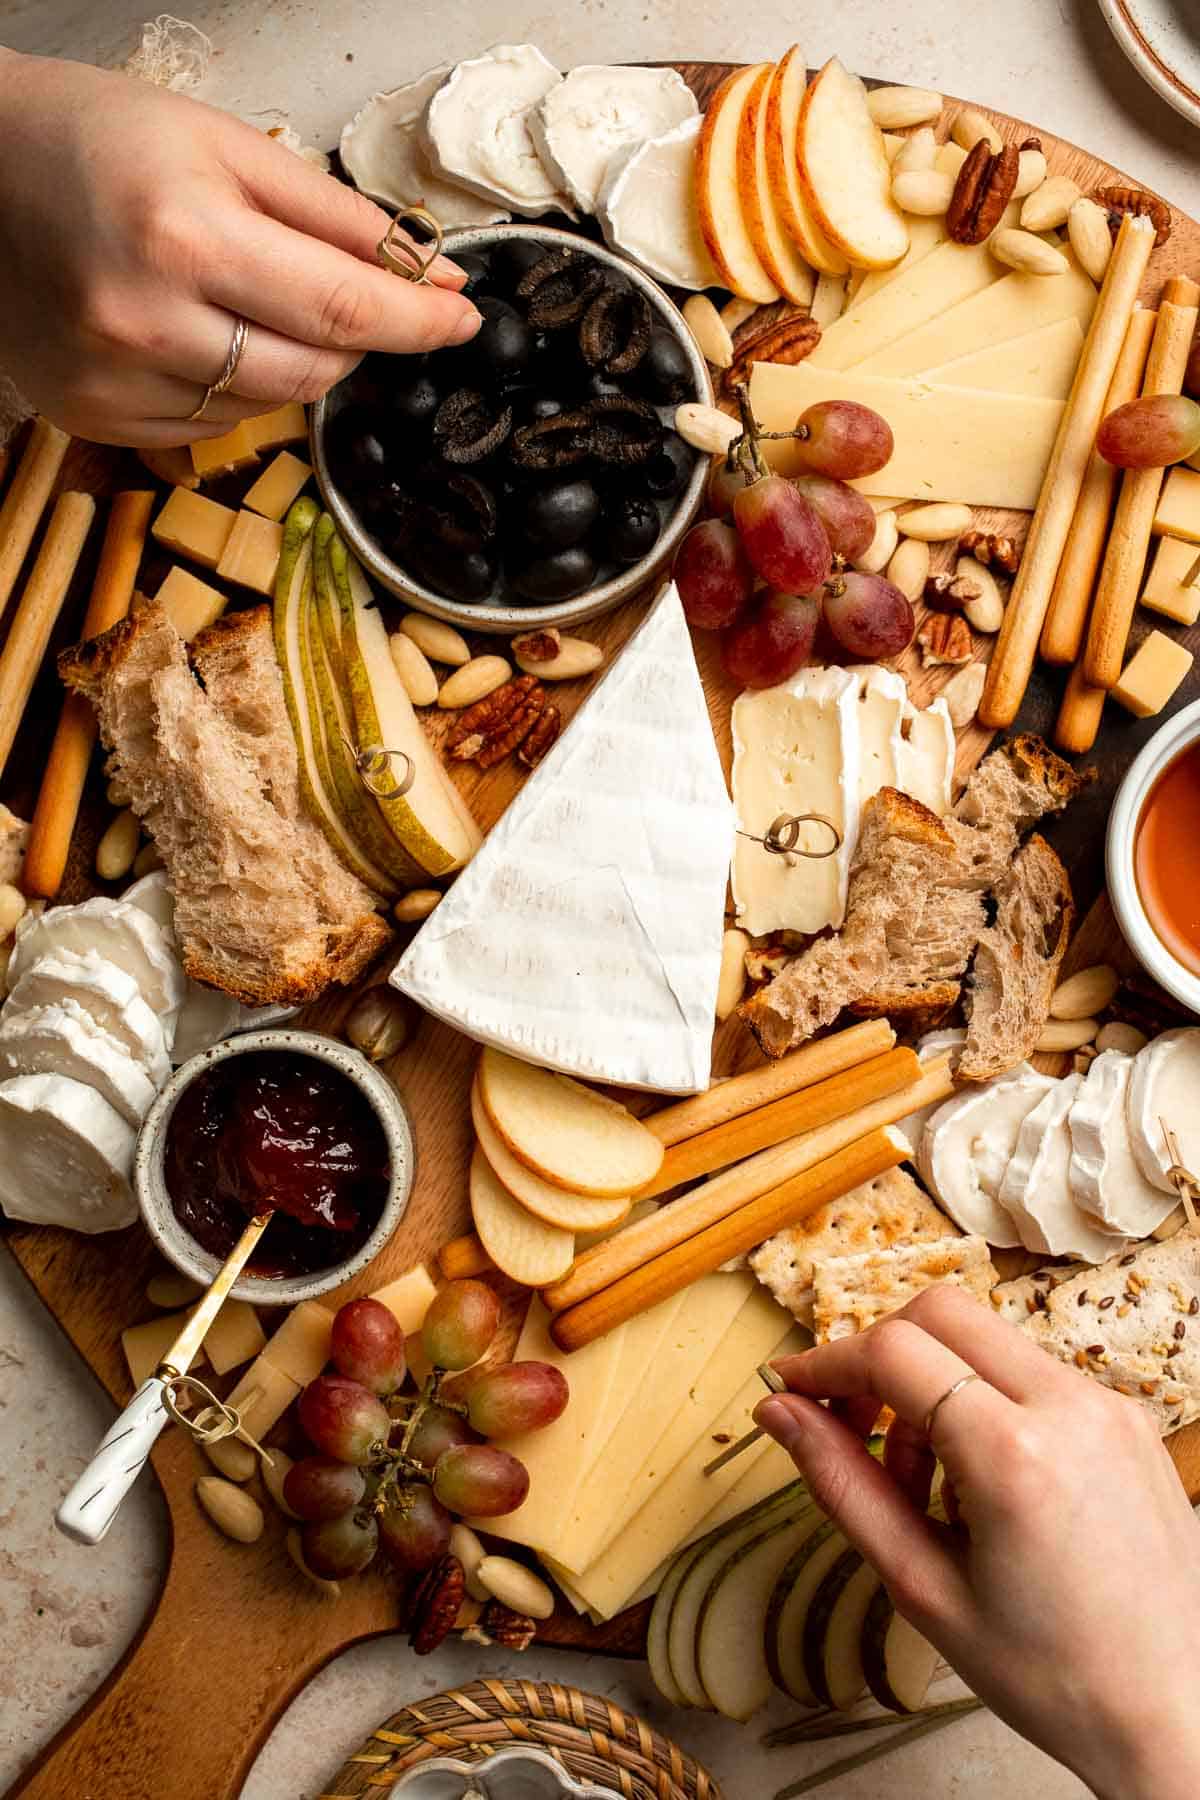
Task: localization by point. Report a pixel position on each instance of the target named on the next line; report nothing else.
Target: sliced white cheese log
(206, 1015)
(65, 1155)
(476, 129)
(152, 893)
(1165, 1086)
(110, 995)
(933, 1044)
(123, 934)
(1036, 1190)
(66, 1040)
(597, 110)
(967, 1146)
(647, 208)
(382, 153)
(1105, 1178)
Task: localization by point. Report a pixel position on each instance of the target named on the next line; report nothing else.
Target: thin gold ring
(962, 1382)
(237, 349)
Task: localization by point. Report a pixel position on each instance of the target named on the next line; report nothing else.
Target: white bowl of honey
(1152, 855)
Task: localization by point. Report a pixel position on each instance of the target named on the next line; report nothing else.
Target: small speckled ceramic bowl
(178, 1245)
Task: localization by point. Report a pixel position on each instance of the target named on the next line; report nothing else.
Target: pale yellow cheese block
(262, 1396)
(286, 425)
(232, 450)
(1178, 513)
(1152, 675)
(194, 526)
(1041, 363)
(408, 1297)
(277, 486)
(190, 603)
(300, 1348)
(1168, 589)
(924, 235)
(951, 443)
(146, 1345)
(234, 1336)
(251, 555)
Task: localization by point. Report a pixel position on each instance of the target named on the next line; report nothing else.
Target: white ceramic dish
(1161, 38)
(1175, 736)
(512, 1774)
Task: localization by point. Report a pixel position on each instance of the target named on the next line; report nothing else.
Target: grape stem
(750, 455)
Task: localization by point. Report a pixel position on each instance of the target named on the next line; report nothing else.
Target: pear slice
(430, 819)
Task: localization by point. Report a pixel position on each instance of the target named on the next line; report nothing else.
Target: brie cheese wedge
(1105, 1178)
(383, 154)
(122, 934)
(596, 110)
(476, 129)
(1165, 1086)
(882, 704)
(586, 934)
(66, 1157)
(925, 758)
(967, 1146)
(647, 208)
(110, 997)
(1036, 1190)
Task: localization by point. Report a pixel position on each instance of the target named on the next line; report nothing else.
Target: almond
(1091, 240)
(417, 904)
(916, 152)
(1066, 1034)
(1084, 993)
(276, 1464)
(233, 1457)
(1024, 251)
(440, 642)
(878, 553)
(731, 983)
(1116, 1035)
(969, 125)
(470, 1553)
(170, 1289)
(962, 694)
(231, 1509)
(986, 612)
(705, 427)
(1049, 205)
(924, 192)
(713, 338)
(895, 108)
(414, 669)
(936, 523)
(148, 858)
(115, 851)
(909, 568)
(1031, 172)
(735, 312)
(574, 657)
(515, 1586)
(13, 908)
(474, 681)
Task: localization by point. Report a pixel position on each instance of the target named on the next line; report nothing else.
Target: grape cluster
(393, 1469)
(771, 562)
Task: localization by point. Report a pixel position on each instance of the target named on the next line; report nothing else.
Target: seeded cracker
(851, 1293)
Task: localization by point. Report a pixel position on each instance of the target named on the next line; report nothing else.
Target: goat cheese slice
(1105, 1177)
(110, 997)
(967, 1146)
(66, 1157)
(1164, 1086)
(1036, 1190)
(596, 110)
(122, 934)
(928, 1048)
(647, 208)
(586, 934)
(65, 1040)
(382, 153)
(476, 129)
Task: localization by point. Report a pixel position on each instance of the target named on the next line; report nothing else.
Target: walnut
(542, 738)
(784, 340)
(764, 965)
(488, 731)
(981, 193)
(990, 548)
(434, 1605)
(950, 593)
(537, 646)
(513, 1630)
(945, 638)
(1117, 201)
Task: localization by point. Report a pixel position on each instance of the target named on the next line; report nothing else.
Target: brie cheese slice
(1105, 1178)
(586, 934)
(65, 1040)
(122, 934)
(967, 1146)
(476, 129)
(882, 704)
(596, 110)
(1036, 1190)
(383, 154)
(925, 759)
(66, 1157)
(110, 997)
(1165, 1087)
(647, 208)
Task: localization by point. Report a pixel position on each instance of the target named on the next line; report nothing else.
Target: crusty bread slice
(262, 909)
(1016, 962)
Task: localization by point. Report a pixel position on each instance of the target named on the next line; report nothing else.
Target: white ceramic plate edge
(1167, 80)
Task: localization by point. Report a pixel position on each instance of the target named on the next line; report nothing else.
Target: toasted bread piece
(1016, 964)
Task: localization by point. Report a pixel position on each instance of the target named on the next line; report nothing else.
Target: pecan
(981, 193)
(546, 728)
(950, 593)
(945, 639)
(513, 1630)
(786, 340)
(1030, 143)
(537, 646)
(486, 732)
(1117, 201)
(988, 547)
(433, 1608)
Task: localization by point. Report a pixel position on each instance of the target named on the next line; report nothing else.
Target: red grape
(336, 1547)
(480, 1480)
(1151, 432)
(320, 1487)
(368, 1345)
(868, 616)
(723, 484)
(846, 514)
(844, 439)
(714, 578)
(1191, 376)
(521, 1396)
(415, 1527)
(462, 1320)
(343, 1419)
(782, 534)
(439, 1429)
(772, 640)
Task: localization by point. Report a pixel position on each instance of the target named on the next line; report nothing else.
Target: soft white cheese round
(65, 1040)
(1164, 1087)
(596, 110)
(1105, 1178)
(109, 995)
(383, 154)
(123, 934)
(476, 129)
(66, 1156)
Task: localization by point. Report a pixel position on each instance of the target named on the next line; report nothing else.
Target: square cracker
(892, 1209)
(851, 1292)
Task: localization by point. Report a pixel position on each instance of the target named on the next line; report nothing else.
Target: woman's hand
(137, 225)
(1068, 1594)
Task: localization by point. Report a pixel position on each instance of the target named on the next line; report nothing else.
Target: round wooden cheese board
(235, 1634)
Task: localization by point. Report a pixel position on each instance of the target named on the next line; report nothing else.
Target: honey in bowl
(1166, 858)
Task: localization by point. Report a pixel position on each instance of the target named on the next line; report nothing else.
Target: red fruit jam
(276, 1129)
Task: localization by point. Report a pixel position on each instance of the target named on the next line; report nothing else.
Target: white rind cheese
(122, 934)
(597, 110)
(65, 1156)
(476, 129)
(926, 756)
(65, 1040)
(586, 934)
(929, 1048)
(967, 1146)
(1165, 1085)
(647, 208)
(1105, 1178)
(1036, 1190)
(383, 154)
(110, 995)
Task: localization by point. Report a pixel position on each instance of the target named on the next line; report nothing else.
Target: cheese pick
(1186, 1184)
(777, 1385)
(782, 836)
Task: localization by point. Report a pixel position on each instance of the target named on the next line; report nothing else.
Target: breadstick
(1133, 521)
(714, 1200)
(773, 1081)
(1011, 665)
(1066, 621)
(463, 1257)
(804, 1111)
(1079, 715)
(781, 1206)
(39, 607)
(26, 500)
(66, 770)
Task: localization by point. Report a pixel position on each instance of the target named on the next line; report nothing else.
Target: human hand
(137, 225)
(1067, 1595)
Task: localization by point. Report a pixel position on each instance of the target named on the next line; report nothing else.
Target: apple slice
(722, 178)
(785, 95)
(572, 1212)
(522, 1247)
(776, 251)
(579, 1140)
(845, 172)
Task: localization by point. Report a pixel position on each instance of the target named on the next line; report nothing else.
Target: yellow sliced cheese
(1179, 506)
(262, 1396)
(232, 450)
(1041, 363)
(277, 486)
(300, 1348)
(951, 443)
(1152, 675)
(286, 425)
(194, 526)
(1172, 587)
(146, 1345)
(191, 605)
(251, 555)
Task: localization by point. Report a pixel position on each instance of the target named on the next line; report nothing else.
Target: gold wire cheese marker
(775, 1384)
(398, 252)
(1187, 1186)
(374, 765)
(782, 836)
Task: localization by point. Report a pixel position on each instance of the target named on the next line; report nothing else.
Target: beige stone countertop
(67, 1613)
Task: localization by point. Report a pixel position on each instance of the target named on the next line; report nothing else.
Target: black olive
(468, 426)
(669, 471)
(512, 258)
(561, 514)
(477, 270)
(415, 399)
(503, 344)
(598, 385)
(663, 372)
(631, 528)
(384, 504)
(556, 577)
(468, 577)
(532, 404)
(615, 331)
(360, 446)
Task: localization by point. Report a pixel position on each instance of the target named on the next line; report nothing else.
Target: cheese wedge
(1171, 588)
(1106, 1179)
(925, 759)
(1040, 363)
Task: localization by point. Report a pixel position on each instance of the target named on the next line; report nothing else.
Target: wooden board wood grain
(236, 1633)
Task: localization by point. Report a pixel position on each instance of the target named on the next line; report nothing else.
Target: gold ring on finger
(237, 349)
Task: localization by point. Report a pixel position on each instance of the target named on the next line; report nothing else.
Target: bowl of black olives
(532, 476)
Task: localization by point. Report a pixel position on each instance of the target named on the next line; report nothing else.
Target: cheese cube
(1173, 585)
(262, 1397)
(1179, 506)
(300, 1348)
(278, 486)
(146, 1345)
(419, 1365)
(232, 450)
(408, 1298)
(1152, 675)
(191, 604)
(234, 1336)
(194, 526)
(251, 554)
(286, 425)
(172, 466)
